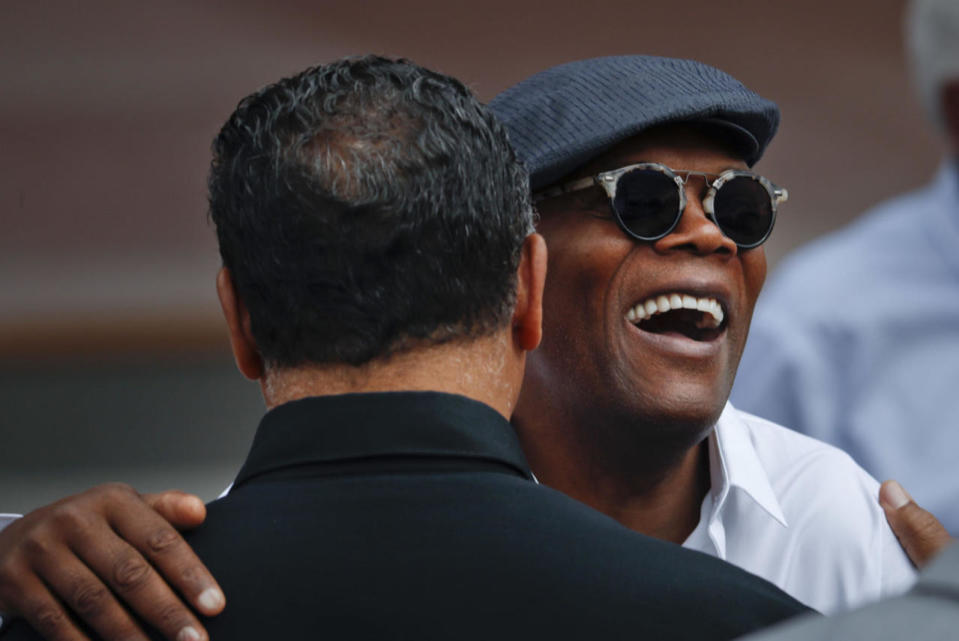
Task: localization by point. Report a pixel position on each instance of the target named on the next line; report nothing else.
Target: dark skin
(920, 533)
(613, 418)
(87, 553)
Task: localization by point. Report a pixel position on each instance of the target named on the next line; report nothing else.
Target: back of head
(366, 207)
(932, 42)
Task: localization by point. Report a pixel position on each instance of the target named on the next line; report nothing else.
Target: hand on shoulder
(86, 554)
(920, 533)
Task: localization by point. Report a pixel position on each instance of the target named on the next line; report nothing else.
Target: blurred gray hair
(932, 42)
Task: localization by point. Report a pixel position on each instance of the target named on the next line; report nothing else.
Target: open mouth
(699, 319)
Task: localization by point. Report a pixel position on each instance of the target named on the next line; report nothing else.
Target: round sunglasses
(648, 200)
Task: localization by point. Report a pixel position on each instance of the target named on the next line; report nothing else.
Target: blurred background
(113, 361)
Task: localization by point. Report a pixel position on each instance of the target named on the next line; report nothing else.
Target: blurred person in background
(856, 340)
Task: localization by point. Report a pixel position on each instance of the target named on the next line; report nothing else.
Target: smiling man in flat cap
(640, 171)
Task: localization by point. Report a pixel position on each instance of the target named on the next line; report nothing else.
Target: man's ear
(247, 357)
(530, 281)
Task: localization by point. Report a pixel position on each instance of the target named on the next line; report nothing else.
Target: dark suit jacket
(415, 516)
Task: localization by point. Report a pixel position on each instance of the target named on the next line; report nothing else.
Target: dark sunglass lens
(647, 202)
(744, 211)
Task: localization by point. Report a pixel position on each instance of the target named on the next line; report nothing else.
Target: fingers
(173, 558)
(920, 533)
(87, 596)
(69, 559)
(182, 510)
(38, 607)
(131, 577)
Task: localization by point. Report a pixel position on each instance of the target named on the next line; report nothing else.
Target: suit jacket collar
(354, 427)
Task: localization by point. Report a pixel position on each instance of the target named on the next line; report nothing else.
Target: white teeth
(710, 307)
(717, 312)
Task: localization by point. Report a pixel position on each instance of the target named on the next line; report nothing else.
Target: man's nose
(696, 232)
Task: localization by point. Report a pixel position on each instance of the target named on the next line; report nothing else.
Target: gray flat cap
(563, 117)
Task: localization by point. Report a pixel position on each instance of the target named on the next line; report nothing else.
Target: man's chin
(681, 418)
(685, 429)
(671, 425)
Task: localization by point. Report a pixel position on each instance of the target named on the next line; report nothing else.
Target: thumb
(920, 533)
(183, 511)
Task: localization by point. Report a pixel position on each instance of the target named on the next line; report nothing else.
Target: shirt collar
(734, 463)
(351, 427)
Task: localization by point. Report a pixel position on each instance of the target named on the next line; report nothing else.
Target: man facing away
(382, 283)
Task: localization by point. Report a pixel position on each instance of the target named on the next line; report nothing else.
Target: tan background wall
(112, 358)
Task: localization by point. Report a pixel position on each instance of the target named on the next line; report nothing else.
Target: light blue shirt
(856, 342)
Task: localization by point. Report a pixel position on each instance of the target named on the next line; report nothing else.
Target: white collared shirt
(799, 513)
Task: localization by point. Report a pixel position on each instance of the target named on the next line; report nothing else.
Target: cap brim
(737, 138)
